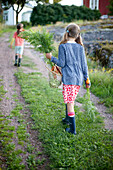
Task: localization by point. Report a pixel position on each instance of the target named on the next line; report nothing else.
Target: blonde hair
(73, 31)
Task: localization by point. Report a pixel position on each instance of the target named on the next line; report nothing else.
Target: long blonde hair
(73, 31)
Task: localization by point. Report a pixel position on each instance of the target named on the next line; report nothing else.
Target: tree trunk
(16, 17)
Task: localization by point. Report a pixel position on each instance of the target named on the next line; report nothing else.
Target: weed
(40, 162)
(30, 148)
(2, 91)
(31, 161)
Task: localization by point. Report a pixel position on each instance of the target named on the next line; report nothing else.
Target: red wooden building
(101, 5)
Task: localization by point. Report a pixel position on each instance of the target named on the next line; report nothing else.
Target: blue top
(72, 60)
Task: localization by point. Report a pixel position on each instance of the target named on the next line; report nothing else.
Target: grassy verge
(91, 148)
(102, 86)
(4, 28)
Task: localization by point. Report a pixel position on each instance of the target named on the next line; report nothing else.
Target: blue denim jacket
(72, 60)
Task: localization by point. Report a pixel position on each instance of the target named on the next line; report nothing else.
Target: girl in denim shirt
(72, 60)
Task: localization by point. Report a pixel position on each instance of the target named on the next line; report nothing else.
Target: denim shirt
(72, 60)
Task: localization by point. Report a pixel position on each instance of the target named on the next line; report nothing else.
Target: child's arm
(12, 41)
(85, 69)
(60, 61)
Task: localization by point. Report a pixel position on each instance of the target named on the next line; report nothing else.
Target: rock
(110, 63)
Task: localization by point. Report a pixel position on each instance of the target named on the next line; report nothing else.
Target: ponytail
(79, 40)
(65, 38)
(19, 26)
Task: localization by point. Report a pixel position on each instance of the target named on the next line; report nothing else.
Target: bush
(47, 14)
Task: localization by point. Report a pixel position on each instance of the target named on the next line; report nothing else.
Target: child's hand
(87, 82)
(48, 55)
(87, 86)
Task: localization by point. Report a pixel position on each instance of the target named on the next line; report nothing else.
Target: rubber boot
(66, 119)
(16, 57)
(72, 128)
(19, 62)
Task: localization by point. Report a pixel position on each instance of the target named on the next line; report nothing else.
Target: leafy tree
(110, 7)
(20, 4)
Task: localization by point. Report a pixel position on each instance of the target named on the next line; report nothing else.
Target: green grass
(11, 156)
(26, 62)
(91, 148)
(8, 147)
(4, 28)
(2, 92)
(7, 135)
(102, 86)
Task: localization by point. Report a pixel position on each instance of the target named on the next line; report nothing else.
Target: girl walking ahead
(72, 60)
(19, 43)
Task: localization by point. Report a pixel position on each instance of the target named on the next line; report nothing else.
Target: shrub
(46, 14)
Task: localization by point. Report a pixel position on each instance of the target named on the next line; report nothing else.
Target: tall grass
(102, 86)
(5, 28)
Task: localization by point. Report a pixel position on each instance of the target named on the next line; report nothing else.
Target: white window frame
(5, 16)
(94, 4)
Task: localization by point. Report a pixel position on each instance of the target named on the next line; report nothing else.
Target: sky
(70, 2)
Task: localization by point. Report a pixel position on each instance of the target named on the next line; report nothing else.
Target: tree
(11, 3)
(110, 7)
(19, 5)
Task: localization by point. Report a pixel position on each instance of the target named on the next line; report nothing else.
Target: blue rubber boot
(72, 128)
(66, 119)
(19, 62)
(16, 58)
